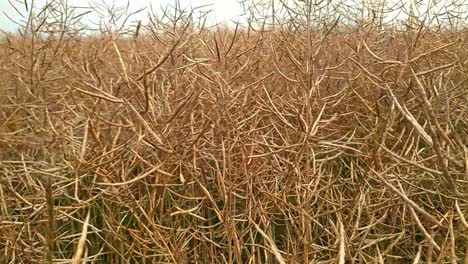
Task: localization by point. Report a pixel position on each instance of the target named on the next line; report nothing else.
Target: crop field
(283, 142)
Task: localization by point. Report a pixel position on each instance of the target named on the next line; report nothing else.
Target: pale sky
(223, 10)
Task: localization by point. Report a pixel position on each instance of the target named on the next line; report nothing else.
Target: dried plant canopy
(309, 132)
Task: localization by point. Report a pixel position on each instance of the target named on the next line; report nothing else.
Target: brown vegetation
(235, 146)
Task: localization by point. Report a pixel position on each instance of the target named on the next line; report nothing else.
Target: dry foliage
(218, 145)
